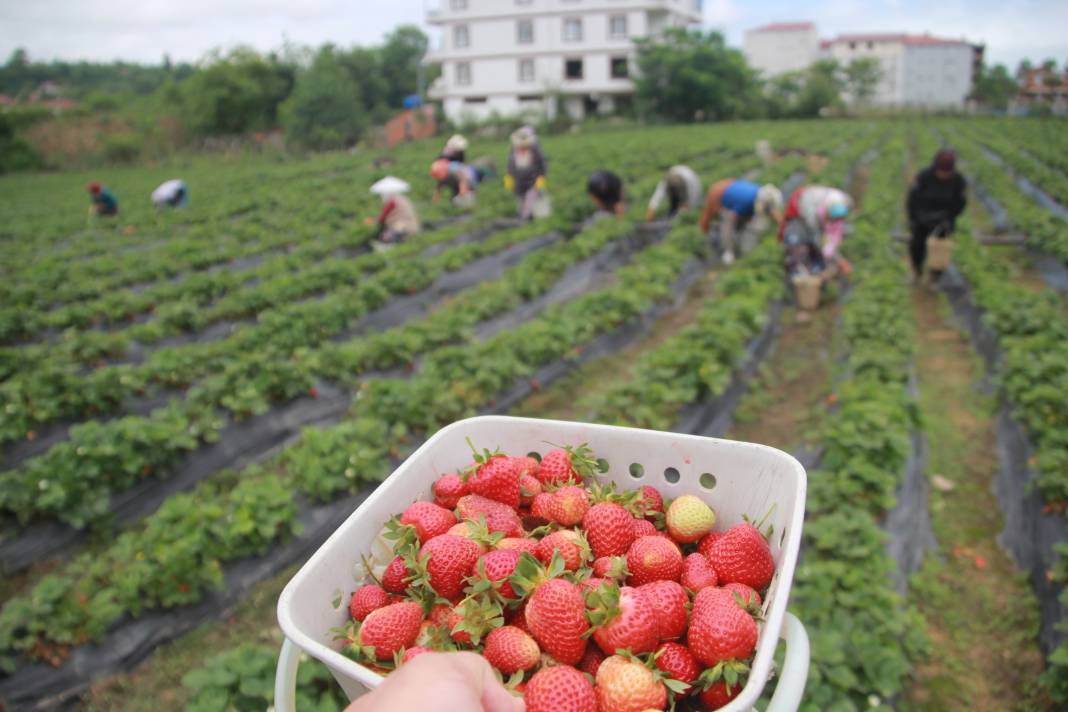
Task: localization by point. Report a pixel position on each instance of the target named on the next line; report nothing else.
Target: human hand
(441, 682)
(369, 221)
(540, 183)
(509, 183)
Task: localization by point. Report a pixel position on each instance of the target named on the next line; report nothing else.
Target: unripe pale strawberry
(520, 544)
(689, 519)
(624, 685)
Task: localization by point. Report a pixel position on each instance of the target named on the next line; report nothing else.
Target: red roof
(785, 27)
(896, 37)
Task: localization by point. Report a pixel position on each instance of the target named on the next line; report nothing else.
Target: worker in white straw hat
(455, 149)
(397, 219)
(682, 188)
(526, 174)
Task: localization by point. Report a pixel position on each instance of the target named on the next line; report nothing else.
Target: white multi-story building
(781, 47)
(510, 57)
(917, 70)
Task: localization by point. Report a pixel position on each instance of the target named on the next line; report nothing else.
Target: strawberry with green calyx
(570, 464)
(671, 603)
(613, 567)
(555, 610)
(511, 650)
(367, 598)
(568, 505)
(568, 544)
(396, 576)
(677, 663)
(428, 519)
(479, 532)
(494, 476)
(444, 563)
(473, 618)
(622, 617)
(630, 500)
(609, 529)
(721, 683)
(697, 573)
(448, 489)
(720, 629)
(653, 558)
(742, 555)
(492, 573)
(527, 465)
(560, 688)
(746, 597)
(386, 630)
(592, 583)
(688, 519)
(652, 504)
(626, 684)
(499, 517)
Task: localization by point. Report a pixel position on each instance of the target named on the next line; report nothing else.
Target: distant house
(411, 125)
(1042, 87)
(781, 47)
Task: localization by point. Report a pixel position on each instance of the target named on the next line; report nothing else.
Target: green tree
(325, 109)
(235, 93)
(687, 74)
(994, 87)
(862, 77)
(400, 57)
(781, 94)
(822, 91)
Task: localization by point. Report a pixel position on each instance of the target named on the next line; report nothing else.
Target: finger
(493, 695)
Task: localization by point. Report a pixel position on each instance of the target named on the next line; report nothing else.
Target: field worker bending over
(455, 149)
(103, 202)
(606, 190)
(527, 170)
(820, 214)
(682, 188)
(173, 193)
(458, 178)
(936, 199)
(397, 219)
(736, 202)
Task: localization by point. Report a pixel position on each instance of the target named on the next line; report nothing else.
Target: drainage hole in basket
(535, 455)
(636, 470)
(707, 480)
(671, 475)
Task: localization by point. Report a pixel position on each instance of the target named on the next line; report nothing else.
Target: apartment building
(781, 47)
(537, 57)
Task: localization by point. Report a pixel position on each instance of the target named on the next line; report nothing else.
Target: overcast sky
(143, 30)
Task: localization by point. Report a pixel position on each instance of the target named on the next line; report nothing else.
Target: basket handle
(285, 678)
(794, 673)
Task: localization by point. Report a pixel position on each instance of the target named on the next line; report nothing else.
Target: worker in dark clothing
(606, 190)
(935, 200)
(103, 202)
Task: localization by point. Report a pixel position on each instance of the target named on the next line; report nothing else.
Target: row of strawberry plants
(1050, 180)
(1042, 139)
(176, 556)
(862, 638)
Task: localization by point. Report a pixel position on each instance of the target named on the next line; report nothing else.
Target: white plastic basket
(746, 479)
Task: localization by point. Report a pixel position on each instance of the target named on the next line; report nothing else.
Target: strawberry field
(192, 401)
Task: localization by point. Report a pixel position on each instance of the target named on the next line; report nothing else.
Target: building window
(458, 4)
(524, 32)
(523, 2)
(619, 68)
(852, 45)
(572, 69)
(475, 100)
(460, 37)
(617, 27)
(572, 29)
(463, 73)
(526, 70)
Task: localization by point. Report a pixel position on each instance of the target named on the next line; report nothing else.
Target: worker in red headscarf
(103, 202)
(935, 200)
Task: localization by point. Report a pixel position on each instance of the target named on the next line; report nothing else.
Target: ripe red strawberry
(748, 595)
(448, 489)
(653, 558)
(707, 541)
(510, 649)
(539, 505)
(609, 529)
(451, 560)
(498, 566)
(568, 505)
(718, 695)
(567, 464)
(496, 478)
(367, 598)
(622, 617)
(643, 527)
(688, 519)
(429, 520)
(677, 662)
(517, 618)
(414, 651)
(742, 555)
(527, 466)
(653, 502)
(529, 488)
(395, 577)
(391, 628)
(670, 601)
(720, 629)
(499, 517)
(560, 688)
(697, 573)
(613, 567)
(555, 610)
(572, 548)
(625, 685)
(591, 661)
(520, 544)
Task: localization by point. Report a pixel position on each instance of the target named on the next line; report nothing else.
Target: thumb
(494, 696)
